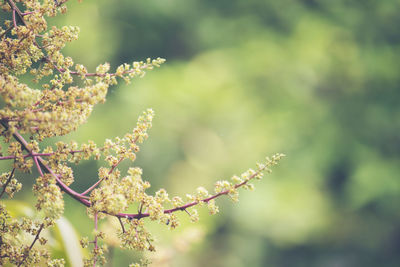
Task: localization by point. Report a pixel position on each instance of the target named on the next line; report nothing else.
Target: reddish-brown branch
(38, 155)
(27, 13)
(92, 187)
(83, 199)
(47, 169)
(194, 203)
(64, 187)
(115, 165)
(38, 166)
(35, 120)
(14, 18)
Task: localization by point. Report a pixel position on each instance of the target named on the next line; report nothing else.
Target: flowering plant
(64, 99)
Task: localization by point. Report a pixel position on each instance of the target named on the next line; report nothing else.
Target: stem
(8, 181)
(95, 240)
(27, 13)
(38, 166)
(115, 165)
(99, 181)
(14, 18)
(140, 208)
(33, 243)
(92, 187)
(62, 70)
(59, 3)
(122, 225)
(6, 31)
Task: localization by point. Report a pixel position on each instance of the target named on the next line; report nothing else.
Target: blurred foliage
(317, 80)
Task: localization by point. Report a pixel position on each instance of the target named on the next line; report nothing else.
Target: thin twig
(122, 225)
(62, 70)
(194, 203)
(27, 13)
(187, 212)
(33, 243)
(140, 208)
(59, 3)
(92, 187)
(95, 240)
(38, 166)
(8, 181)
(6, 31)
(100, 180)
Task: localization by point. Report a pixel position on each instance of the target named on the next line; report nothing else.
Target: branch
(47, 169)
(62, 70)
(38, 155)
(194, 203)
(14, 18)
(81, 198)
(16, 9)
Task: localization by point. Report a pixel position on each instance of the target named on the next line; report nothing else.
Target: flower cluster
(63, 100)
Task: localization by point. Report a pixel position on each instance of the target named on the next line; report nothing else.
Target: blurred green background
(317, 80)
